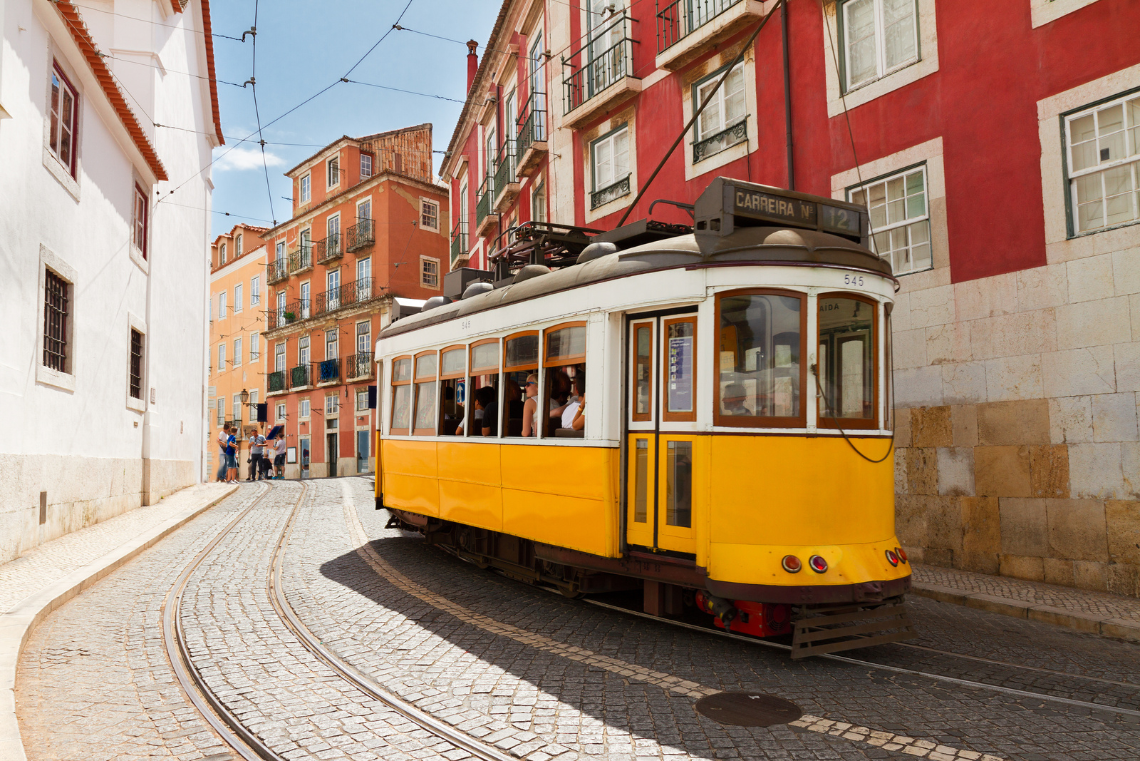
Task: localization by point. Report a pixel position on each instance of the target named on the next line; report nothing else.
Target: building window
(538, 203)
(879, 37)
(138, 228)
(304, 409)
(280, 411)
(237, 298)
(221, 254)
(429, 272)
(62, 140)
(279, 358)
(306, 191)
(900, 219)
(609, 157)
(1104, 164)
(57, 304)
(254, 347)
(429, 215)
(723, 122)
(237, 410)
(238, 246)
(136, 364)
(237, 352)
(331, 349)
(280, 250)
(361, 399)
(334, 171)
(332, 404)
(255, 290)
(365, 166)
(363, 337)
(221, 412)
(222, 305)
(221, 357)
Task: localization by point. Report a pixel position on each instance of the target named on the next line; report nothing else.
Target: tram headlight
(892, 558)
(818, 564)
(791, 564)
(901, 553)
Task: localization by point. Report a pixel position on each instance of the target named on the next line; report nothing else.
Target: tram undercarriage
(818, 622)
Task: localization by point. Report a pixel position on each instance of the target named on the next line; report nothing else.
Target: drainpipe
(787, 98)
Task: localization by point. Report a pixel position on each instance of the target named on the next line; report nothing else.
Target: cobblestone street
(518, 669)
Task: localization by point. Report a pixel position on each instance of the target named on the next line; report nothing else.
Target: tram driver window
(425, 394)
(484, 384)
(565, 365)
(520, 379)
(846, 362)
(453, 391)
(401, 396)
(759, 349)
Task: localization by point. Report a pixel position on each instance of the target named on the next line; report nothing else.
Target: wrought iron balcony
(328, 249)
(301, 376)
(726, 138)
(347, 295)
(276, 381)
(301, 258)
(531, 140)
(361, 235)
(685, 28)
(459, 241)
(359, 365)
(610, 193)
(506, 184)
(328, 371)
(290, 313)
(278, 270)
(484, 204)
(608, 56)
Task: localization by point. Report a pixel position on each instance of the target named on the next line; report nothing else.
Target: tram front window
(401, 396)
(846, 361)
(425, 395)
(761, 378)
(484, 375)
(565, 376)
(453, 391)
(520, 379)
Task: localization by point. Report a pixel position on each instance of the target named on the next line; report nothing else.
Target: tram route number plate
(757, 205)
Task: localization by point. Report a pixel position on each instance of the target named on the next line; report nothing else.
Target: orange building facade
(238, 299)
(367, 239)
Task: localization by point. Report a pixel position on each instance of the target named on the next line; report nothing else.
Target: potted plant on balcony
(290, 316)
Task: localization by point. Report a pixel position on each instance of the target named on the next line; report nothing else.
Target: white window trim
(628, 117)
(339, 226)
(46, 375)
(50, 162)
(223, 304)
(740, 150)
(222, 357)
(438, 213)
(301, 404)
(254, 346)
(1066, 121)
(438, 273)
(279, 412)
(930, 152)
(236, 359)
(1058, 246)
(1046, 11)
(305, 198)
(362, 202)
(135, 322)
(136, 255)
(894, 80)
(879, 180)
(283, 345)
(328, 174)
(255, 291)
(880, 37)
(371, 166)
(239, 291)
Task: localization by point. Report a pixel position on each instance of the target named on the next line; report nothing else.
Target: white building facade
(103, 287)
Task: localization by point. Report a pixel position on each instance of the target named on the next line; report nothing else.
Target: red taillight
(901, 553)
(818, 564)
(791, 564)
(892, 558)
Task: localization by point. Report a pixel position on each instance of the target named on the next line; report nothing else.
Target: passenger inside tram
(574, 416)
(485, 402)
(760, 376)
(733, 400)
(530, 406)
(561, 392)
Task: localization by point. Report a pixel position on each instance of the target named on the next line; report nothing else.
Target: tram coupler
(759, 619)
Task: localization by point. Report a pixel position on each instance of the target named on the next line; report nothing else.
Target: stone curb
(17, 624)
(1086, 622)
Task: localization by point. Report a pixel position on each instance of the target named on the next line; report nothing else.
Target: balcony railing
(603, 67)
(278, 270)
(677, 19)
(328, 249)
(610, 193)
(301, 258)
(726, 138)
(486, 199)
(360, 235)
(276, 381)
(349, 294)
(328, 371)
(531, 123)
(301, 376)
(459, 241)
(505, 167)
(359, 365)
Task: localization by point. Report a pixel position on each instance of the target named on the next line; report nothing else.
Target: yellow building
(237, 326)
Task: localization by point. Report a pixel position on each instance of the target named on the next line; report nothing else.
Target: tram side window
(759, 340)
(520, 379)
(484, 382)
(847, 362)
(453, 391)
(401, 396)
(425, 394)
(565, 364)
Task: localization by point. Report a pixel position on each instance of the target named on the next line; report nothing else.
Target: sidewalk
(34, 585)
(1095, 612)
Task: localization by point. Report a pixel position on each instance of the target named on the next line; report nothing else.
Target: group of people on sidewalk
(266, 456)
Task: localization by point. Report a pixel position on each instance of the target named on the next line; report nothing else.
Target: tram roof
(745, 246)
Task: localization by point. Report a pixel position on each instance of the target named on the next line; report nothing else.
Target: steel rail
(225, 724)
(883, 666)
(355, 677)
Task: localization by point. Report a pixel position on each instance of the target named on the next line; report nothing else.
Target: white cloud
(242, 158)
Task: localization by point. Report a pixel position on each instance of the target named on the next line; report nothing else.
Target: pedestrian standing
(223, 465)
(256, 447)
(279, 454)
(233, 449)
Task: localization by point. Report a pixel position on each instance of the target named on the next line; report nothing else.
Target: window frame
(635, 324)
(883, 179)
(424, 260)
(472, 372)
(624, 126)
(535, 367)
(332, 164)
(757, 421)
(876, 401)
(239, 245)
(223, 306)
(136, 358)
(221, 253)
(254, 346)
(881, 70)
(394, 384)
(255, 291)
(696, 101)
(279, 411)
(139, 237)
(236, 359)
(417, 382)
(574, 359)
(65, 321)
(304, 404)
(1070, 180)
(71, 166)
(371, 163)
(425, 203)
(239, 290)
(462, 375)
(667, 416)
(305, 187)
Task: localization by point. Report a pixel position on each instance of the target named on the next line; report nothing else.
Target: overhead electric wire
(155, 23)
(165, 70)
(257, 114)
(397, 89)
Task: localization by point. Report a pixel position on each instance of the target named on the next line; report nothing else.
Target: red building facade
(368, 233)
(1001, 164)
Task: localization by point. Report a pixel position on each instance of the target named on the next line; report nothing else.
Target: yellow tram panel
(410, 481)
(470, 489)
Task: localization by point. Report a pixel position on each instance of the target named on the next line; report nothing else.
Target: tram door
(661, 406)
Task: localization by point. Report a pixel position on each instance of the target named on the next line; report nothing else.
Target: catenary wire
(257, 115)
(154, 23)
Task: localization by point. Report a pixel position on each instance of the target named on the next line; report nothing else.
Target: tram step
(836, 628)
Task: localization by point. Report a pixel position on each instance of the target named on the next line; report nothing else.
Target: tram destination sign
(727, 205)
(756, 204)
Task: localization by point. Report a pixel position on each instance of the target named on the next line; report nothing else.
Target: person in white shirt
(279, 455)
(223, 440)
(574, 416)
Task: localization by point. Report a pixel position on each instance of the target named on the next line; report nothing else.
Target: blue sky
(303, 47)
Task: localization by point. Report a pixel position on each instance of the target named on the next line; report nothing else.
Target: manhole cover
(748, 709)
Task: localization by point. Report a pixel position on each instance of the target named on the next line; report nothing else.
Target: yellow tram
(733, 458)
